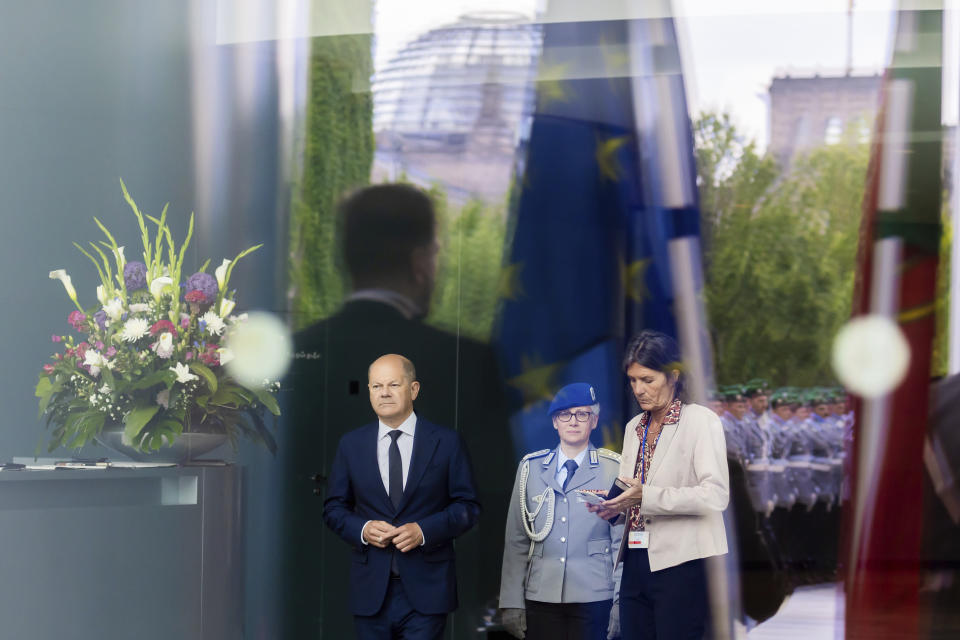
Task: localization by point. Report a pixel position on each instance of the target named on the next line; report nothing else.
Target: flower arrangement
(151, 354)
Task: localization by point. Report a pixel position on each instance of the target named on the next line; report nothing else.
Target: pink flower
(99, 346)
(82, 350)
(56, 338)
(76, 319)
(195, 296)
(111, 351)
(48, 369)
(189, 355)
(184, 321)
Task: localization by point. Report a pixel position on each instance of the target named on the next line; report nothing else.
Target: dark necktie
(571, 467)
(396, 470)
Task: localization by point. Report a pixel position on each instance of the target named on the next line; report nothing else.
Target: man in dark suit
(388, 238)
(400, 490)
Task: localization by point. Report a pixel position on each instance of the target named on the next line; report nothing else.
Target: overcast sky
(731, 49)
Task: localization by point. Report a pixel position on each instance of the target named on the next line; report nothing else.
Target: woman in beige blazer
(674, 462)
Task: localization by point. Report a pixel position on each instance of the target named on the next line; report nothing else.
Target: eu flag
(605, 184)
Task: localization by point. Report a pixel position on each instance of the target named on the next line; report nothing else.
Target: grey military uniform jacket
(575, 562)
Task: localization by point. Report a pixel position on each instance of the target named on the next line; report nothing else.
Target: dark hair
(657, 351)
(382, 225)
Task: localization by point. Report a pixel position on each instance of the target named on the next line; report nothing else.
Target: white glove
(613, 629)
(515, 622)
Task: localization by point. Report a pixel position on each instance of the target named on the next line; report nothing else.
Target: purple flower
(101, 319)
(205, 284)
(111, 351)
(135, 275)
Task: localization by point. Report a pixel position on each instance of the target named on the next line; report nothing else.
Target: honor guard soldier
(558, 578)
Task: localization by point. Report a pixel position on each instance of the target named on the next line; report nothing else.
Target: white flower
(94, 360)
(221, 273)
(114, 309)
(183, 373)
(238, 319)
(105, 389)
(101, 294)
(164, 345)
(61, 275)
(121, 261)
(134, 329)
(140, 307)
(226, 306)
(159, 285)
(215, 324)
(225, 355)
(163, 398)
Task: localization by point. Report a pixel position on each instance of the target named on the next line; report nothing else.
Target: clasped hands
(382, 534)
(609, 509)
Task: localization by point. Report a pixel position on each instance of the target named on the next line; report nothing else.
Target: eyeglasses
(582, 416)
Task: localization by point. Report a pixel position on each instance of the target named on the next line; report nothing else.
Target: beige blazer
(687, 490)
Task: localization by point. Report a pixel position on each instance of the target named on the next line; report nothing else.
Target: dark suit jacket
(326, 395)
(439, 496)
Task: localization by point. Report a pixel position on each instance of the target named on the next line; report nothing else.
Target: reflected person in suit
(400, 490)
(388, 238)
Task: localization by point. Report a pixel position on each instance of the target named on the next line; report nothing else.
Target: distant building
(807, 112)
(449, 106)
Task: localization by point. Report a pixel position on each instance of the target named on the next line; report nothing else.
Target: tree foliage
(780, 253)
(468, 275)
(338, 153)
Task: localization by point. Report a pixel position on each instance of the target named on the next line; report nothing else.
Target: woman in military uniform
(558, 579)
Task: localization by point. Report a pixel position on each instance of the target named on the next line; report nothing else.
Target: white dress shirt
(562, 459)
(405, 443)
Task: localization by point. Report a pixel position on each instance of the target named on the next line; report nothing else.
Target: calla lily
(183, 373)
(101, 294)
(221, 273)
(61, 275)
(159, 285)
(226, 306)
(225, 355)
(165, 345)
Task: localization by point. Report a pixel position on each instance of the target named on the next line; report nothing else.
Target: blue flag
(595, 207)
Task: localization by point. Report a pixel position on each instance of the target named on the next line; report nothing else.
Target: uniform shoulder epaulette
(612, 455)
(537, 454)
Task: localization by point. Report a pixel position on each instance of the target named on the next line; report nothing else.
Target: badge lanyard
(643, 449)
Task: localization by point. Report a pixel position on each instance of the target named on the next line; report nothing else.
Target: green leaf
(204, 372)
(45, 390)
(137, 419)
(267, 399)
(157, 377)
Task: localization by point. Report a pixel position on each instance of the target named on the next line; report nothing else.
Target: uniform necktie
(396, 470)
(571, 467)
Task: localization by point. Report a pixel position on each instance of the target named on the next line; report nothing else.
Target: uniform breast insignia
(611, 455)
(594, 460)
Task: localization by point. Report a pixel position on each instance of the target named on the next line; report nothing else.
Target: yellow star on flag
(606, 156)
(510, 286)
(616, 58)
(537, 382)
(550, 84)
(632, 279)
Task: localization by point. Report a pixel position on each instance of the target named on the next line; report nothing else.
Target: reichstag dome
(449, 106)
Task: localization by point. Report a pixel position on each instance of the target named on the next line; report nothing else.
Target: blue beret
(578, 394)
